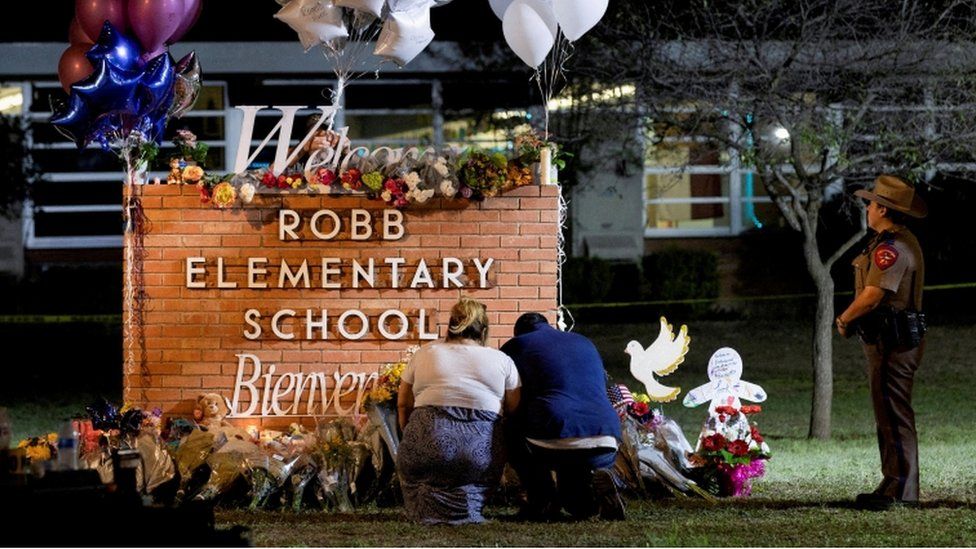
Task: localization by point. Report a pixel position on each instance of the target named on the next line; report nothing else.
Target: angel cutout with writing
(726, 386)
(661, 358)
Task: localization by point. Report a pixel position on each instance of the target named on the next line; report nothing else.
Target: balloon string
(349, 55)
(562, 311)
(134, 287)
(551, 75)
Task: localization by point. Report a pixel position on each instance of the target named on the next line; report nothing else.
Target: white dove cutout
(726, 386)
(661, 358)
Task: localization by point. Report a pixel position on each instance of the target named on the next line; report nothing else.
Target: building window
(78, 205)
(695, 188)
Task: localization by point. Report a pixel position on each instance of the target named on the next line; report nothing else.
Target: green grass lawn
(804, 500)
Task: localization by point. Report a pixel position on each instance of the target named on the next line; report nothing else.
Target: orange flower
(224, 195)
(192, 174)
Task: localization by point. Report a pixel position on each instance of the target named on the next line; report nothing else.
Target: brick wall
(192, 336)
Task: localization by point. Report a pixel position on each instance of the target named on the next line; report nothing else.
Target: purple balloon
(154, 21)
(92, 14)
(77, 36)
(191, 12)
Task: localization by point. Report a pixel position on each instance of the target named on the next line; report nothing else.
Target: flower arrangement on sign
(731, 451)
(188, 167)
(400, 180)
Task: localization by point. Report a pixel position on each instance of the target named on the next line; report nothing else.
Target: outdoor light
(781, 133)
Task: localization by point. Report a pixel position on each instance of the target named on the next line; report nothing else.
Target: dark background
(240, 21)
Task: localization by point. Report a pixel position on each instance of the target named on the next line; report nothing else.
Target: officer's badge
(885, 256)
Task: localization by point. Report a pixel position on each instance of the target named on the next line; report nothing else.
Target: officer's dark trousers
(891, 374)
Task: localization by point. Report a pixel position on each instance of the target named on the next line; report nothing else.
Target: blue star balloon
(109, 89)
(122, 96)
(71, 118)
(156, 84)
(116, 48)
(157, 124)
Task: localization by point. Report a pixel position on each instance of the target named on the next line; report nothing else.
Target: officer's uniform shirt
(893, 262)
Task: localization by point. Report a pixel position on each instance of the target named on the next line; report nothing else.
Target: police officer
(886, 314)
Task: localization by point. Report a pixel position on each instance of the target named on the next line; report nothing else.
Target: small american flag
(620, 398)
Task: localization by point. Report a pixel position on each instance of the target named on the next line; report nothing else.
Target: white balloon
(576, 17)
(409, 5)
(545, 10)
(374, 7)
(527, 33)
(405, 34)
(499, 7)
(315, 21)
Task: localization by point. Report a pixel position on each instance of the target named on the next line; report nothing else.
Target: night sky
(239, 20)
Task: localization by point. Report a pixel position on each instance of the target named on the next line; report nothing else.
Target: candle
(545, 165)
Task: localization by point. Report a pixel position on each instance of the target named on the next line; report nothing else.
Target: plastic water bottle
(67, 447)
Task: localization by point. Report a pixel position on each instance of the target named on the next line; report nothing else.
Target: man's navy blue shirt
(563, 385)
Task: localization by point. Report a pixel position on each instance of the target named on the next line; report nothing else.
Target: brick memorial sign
(288, 306)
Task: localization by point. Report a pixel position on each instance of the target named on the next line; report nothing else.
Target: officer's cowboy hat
(892, 192)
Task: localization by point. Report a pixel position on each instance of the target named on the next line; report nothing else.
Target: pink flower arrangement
(731, 452)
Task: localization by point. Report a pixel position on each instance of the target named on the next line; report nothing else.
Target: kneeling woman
(451, 398)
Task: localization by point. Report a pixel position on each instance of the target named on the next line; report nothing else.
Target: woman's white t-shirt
(456, 374)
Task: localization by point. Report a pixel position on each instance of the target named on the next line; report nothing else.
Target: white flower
(441, 169)
(764, 447)
(247, 193)
(423, 196)
(386, 196)
(412, 179)
(447, 188)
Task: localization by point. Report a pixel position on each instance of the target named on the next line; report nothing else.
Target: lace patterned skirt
(449, 460)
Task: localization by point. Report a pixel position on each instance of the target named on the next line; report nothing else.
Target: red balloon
(92, 15)
(154, 21)
(74, 66)
(191, 12)
(76, 35)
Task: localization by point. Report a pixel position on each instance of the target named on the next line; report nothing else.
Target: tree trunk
(823, 375)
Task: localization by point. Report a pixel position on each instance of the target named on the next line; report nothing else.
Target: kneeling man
(564, 424)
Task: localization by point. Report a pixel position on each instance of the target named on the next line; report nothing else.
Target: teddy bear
(175, 176)
(209, 413)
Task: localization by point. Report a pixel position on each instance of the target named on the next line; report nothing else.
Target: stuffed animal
(175, 176)
(212, 410)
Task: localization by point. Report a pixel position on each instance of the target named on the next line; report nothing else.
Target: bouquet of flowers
(340, 458)
(187, 167)
(653, 455)
(40, 449)
(381, 401)
(528, 152)
(731, 451)
(482, 174)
